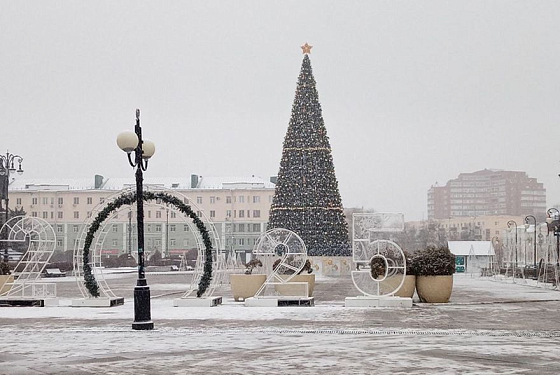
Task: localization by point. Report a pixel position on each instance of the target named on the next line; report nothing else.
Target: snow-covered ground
(488, 327)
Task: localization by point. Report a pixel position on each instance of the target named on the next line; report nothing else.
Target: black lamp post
(510, 224)
(553, 224)
(534, 237)
(7, 167)
(143, 150)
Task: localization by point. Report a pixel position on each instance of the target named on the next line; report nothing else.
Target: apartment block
(487, 192)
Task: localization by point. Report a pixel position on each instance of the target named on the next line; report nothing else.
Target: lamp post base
(142, 314)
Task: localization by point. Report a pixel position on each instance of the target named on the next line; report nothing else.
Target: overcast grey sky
(412, 92)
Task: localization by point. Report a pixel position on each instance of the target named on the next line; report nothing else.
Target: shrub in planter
(251, 265)
(434, 267)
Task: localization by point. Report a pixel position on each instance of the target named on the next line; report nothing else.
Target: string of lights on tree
(307, 200)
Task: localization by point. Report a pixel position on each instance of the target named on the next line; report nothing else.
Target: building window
(149, 229)
(185, 242)
(88, 214)
(173, 214)
(241, 213)
(198, 213)
(228, 213)
(76, 200)
(45, 215)
(256, 227)
(212, 200)
(256, 199)
(75, 228)
(172, 228)
(172, 242)
(198, 200)
(89, 200)
(248, 213)
(45, 200)
(241, 227)
(18, 201)
(60, 214)
(115, 228)
(76, 214)
(158, 228)
(59, 242)
(212, 213)
(115, 243)
(59, 228)
(60, 200)
(185, 228)
(157, 243)
(52, 215)
(158, 214)
(149, 214)
(256, 213)
(34, 214)
(33, 200)
(228, 199)
(242, 241)
(242, 199)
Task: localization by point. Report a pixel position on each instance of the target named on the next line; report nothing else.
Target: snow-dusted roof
(118, 183)
(471, 248)
(234, 183)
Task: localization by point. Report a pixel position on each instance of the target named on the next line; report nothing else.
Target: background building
(488, 192)
(237, 206)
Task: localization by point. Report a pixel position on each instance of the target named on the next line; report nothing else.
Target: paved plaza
(488, 327)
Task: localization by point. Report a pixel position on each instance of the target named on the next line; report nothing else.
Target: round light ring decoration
(93, 288)
(382, 268)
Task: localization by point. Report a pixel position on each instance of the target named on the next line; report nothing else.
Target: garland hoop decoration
(127, 199)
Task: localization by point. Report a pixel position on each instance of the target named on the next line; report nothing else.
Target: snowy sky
(412, 92)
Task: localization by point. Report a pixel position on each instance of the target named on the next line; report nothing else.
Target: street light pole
(143, 150)
(7, 167)
(509, 224)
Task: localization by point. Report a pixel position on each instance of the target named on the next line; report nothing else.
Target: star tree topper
(306, 48)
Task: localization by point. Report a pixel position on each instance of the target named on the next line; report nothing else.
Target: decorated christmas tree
(307, 200)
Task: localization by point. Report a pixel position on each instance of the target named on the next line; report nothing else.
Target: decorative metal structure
(7, 167)
(527, 225)
(292, 252)
(509, 225)
(381, 268)
(143, 151)
(553, 223)
(97, 246)
(381, 264)
(41, 240)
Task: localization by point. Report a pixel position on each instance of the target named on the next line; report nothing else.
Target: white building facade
(238, 207)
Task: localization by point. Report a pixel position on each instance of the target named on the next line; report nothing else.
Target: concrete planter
(408, 287)
(245, 286)
(294, 290)
(434, 289)
(5, 279)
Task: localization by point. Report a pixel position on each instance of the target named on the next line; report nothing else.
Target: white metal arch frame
(97, 245)
(42, 241)
(394, 263)
(292, 251)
